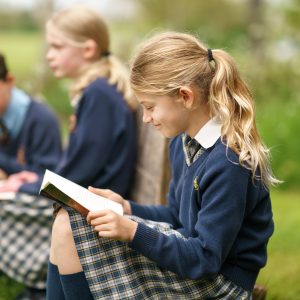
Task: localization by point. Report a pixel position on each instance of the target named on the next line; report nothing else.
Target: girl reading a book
(209, 241)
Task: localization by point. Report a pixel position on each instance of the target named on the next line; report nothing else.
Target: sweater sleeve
(223, 187)
(44, 147)
(9, 164)
(40, 142)
(91, 143)
(159, 213)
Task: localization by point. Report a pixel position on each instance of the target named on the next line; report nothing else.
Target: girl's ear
(187, 96)
(90, 49)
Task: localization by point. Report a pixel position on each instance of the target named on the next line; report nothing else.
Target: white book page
(83, 196)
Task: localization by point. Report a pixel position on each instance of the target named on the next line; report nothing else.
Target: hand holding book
(73, 195)
(105, 215)
(109, 194)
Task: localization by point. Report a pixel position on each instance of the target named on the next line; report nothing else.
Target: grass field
(22, 51)
(281, 276)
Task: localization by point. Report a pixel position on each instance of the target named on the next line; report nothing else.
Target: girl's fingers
(96, 214)
(109, 194)
(101, 217)
(101, 192)
(102, 227)
(105, 234)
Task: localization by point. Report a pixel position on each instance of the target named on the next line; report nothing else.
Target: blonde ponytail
(232, 101)
(108, 67)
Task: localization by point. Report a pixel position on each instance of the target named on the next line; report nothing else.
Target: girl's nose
(146, 117)
(49, 55)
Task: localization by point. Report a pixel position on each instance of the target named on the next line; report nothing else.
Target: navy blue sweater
(226, 219)
(38, 143)
(101, 149)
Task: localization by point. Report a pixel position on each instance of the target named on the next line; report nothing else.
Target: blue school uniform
(100, 153)
(209, 242)
(34, 142)
(101, 148)
(225, 217)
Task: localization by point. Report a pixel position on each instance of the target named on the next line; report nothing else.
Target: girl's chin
(166, 133)
(57, 74)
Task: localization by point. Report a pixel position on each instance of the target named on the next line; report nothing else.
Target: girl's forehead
(145, 98)
(151, 98)
(54, 34)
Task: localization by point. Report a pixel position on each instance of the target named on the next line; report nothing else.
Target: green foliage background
(254, 38)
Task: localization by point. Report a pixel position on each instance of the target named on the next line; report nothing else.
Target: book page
(82, 195)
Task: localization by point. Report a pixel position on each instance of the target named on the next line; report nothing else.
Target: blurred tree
(41, 13)
(21, 20)
(256, 29)
(216, 21)
(292, 13)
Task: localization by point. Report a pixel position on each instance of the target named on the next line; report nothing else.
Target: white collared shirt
(209, 133)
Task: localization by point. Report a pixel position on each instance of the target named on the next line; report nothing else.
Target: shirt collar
(209, 133)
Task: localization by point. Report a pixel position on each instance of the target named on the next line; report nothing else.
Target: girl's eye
(149, 107)
(55, 46)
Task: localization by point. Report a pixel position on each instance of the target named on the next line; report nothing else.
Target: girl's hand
(25, 176)
(3, 175)
(12, 184)
(109, 224)
(113, 196)
(14, 181)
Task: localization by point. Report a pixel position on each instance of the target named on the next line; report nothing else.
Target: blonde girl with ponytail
(83, 28)
(210, 240)
(101, 148)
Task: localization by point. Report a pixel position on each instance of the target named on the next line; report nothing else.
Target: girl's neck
(198, 118)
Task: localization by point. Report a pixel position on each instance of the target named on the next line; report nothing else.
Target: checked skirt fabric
(115, 271)
(25, 231)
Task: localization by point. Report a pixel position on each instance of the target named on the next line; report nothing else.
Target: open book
(68, 193)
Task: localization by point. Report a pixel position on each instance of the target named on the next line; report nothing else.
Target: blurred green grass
(22, 51)
(281, 276)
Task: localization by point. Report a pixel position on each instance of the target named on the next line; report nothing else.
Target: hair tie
(210, 55)
(106, 53)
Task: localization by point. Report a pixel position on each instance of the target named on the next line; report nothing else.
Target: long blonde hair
(79, 24)
(170, 60)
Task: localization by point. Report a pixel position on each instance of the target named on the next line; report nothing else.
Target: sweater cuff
(31, 188)
(134, 208)
(144, 239)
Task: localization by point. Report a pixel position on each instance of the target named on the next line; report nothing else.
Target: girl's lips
(52, 67)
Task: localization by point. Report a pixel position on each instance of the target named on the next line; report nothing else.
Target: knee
(61, 230)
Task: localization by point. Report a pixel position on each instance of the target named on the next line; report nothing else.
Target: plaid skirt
(25, 231)
(115, 271)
